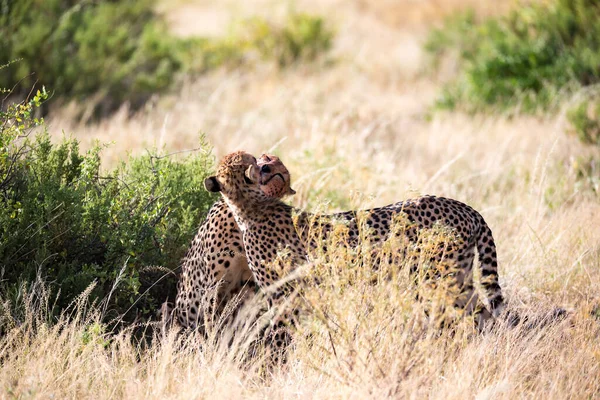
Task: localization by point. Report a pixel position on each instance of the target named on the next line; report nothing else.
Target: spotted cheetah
(275, 235)
(214, 269)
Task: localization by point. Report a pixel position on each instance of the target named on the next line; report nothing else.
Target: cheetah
(215, 270)
(275, 234)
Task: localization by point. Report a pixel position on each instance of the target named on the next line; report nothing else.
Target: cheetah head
(241, 178)
(274, 177)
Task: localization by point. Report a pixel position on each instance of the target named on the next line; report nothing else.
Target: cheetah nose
(265, 169)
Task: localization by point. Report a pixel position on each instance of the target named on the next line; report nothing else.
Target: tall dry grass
(356, 340)
(357, 134)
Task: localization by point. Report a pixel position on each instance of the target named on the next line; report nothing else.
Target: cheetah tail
(488, 263)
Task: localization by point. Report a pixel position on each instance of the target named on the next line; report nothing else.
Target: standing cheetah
(275, 240)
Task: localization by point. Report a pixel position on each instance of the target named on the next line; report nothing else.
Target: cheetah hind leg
(470, 302)
(465, 299)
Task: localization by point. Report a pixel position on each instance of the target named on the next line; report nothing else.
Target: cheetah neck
(249, 215)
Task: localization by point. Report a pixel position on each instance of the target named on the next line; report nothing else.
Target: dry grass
(356, 135)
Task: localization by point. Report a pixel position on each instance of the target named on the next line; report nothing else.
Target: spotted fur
(276, 242)
(215, 269)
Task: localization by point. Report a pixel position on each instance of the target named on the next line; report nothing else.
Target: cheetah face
(274, 178)
(242, 178)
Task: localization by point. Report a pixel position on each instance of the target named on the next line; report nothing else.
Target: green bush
(585, 120)
(108, 52)
(529, 58)
(116, 51)
(302, 38)
(64, 219)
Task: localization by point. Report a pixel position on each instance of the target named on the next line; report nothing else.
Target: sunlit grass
(362, 334)
(357, 134)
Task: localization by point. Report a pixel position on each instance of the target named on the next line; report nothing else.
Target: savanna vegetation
(125, 51)
(366, 103)
(530, 59)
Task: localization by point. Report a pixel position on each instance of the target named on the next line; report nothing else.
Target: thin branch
(175, 153)
(14, 87)
(38, 231)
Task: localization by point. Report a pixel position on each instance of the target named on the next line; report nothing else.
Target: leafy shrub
(116, 50)
(302, 38)
(526, 58)
(112, 51)
(585, 122)
(63, 218)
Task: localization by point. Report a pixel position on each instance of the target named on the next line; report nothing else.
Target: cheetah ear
(290, 191)
(212, 184)
(248, 174)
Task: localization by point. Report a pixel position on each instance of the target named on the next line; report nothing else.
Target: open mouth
(273, 176)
